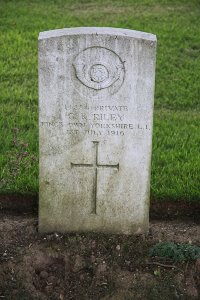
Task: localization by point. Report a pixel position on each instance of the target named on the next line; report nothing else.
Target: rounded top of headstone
(98, 31)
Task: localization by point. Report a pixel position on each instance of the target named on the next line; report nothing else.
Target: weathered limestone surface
(96, 92)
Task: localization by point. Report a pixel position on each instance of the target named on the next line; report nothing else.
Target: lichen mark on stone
(98, 67)
(96, 166)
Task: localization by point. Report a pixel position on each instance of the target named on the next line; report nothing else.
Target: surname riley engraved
(99, 68)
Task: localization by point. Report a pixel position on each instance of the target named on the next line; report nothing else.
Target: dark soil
(94, 266)
(159, 209)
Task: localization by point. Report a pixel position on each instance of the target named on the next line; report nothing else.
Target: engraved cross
(95, 166)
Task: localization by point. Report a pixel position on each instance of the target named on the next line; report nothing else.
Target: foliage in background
(176, 139)
(176, 252)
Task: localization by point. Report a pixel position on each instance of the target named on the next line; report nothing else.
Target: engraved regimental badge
(99, 68)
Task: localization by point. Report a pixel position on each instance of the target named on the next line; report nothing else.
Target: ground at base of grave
(93, 266)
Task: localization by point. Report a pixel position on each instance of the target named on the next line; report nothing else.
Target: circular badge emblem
(99, 68)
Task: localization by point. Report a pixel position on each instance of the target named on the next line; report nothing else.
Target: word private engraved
(99, 68)
(95, 166)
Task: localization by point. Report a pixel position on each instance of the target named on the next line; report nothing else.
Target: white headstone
(96, 94)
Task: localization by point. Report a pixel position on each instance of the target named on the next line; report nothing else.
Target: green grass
(176, 143)
(176, 252)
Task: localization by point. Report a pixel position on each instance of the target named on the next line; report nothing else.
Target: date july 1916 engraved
(99, 68)
(95, 166)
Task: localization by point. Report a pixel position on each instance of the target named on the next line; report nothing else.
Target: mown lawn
(176, 142)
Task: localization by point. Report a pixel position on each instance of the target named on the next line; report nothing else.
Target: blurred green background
(176, 139)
